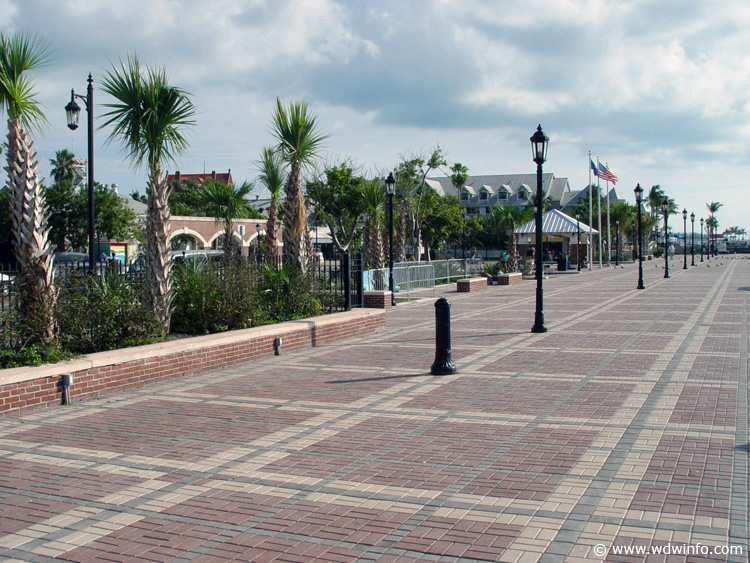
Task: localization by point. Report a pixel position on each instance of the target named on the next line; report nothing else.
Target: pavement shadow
(385, 378)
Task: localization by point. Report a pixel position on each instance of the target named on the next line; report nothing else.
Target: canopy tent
(557, 223)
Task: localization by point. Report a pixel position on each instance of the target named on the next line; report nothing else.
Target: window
(502, 196)
(464, 196)
(483, 195)
(523, 194)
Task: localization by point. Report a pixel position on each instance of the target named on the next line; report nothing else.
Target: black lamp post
(539, 143)
(578, 248)
(73, 112)
(617, 242)
(684, 239)
(638, 199)
(702, 239)
(390, 190)
(665, 209)
(692, 239)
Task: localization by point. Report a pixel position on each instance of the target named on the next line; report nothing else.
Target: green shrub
(102, 312)
(32, 355)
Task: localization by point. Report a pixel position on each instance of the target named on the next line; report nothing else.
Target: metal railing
(412, 276)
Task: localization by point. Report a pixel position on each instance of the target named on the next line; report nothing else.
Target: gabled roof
(551, 186)
(487, 189)
(555, 221)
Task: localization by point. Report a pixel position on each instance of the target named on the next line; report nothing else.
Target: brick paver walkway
(625, 425)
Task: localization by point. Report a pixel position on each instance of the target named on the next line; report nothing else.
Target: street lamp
(684, 239)
(701, 239)
(692, 239)
(539, 143)
(665, 209)
(73, 112)
(578, 248)
(617, 243)
(638, 199)
(390, 190)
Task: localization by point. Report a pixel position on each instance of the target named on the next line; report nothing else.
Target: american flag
(606, 174)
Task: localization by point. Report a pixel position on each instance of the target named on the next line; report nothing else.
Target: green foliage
(35, 354)
(286, 294)
(97, 313)
(442, 219)
(184, 199)
(7, 257)
(21, 52)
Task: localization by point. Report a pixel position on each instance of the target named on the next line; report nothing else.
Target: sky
(658, 89)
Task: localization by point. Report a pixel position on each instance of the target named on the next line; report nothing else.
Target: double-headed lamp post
(684, 239)
(702, 239)
(539, 143)
(390, 190)
(665, 210)
(638, 200)
(73, 112)
(692, 239)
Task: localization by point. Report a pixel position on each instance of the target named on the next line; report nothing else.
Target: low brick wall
(509, 279)
(471, 284)
(377, 299)
(117, 370)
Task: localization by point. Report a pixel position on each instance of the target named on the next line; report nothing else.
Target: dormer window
(523, 192)
(467, 193)
(502, 196)
(484, 196)
(464, 196)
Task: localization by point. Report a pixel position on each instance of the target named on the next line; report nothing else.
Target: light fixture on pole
(692, 239)
(578, 247)
(390, 190)
(539, 143)
(73, 112)
(684, 239)
(702, 239)
(665, 210)
(638, 199)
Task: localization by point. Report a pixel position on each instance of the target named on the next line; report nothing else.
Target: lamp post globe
(638, 199)
(665, 210)
(72, 114)
(390, 190)
(539, 143)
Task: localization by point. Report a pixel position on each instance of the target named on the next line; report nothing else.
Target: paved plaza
(623, 427)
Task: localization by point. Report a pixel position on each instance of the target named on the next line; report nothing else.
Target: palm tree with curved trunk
(226, 203)
(21, 53)
(149, 117)
(296, 129)
(272, 176)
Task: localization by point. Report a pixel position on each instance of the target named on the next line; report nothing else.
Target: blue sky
(656, 88)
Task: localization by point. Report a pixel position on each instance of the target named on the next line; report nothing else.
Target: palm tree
(296, 129)
(19, 54)
(655, 198)
(374, 200)
(621, 215)
(149, 117)
(272, 178)
(226, 203)
(512, 218)
(459, 176)
(63, 166)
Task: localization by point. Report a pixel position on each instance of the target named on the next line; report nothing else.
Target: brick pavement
(625, 425)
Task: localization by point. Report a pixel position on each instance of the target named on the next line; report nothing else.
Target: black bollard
(443, 364)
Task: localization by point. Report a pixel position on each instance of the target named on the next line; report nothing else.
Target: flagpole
(599, 197)
(591, 203)
(609, 237)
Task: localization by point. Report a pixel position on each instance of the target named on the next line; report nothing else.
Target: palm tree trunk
(400, 237)
(295, 223)
(31, 245)
(270, 243)
(512, 263)
(158, 259)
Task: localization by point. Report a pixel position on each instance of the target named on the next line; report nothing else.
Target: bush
(96, 313)
(32, 355)
(285, 294)
(214, 297)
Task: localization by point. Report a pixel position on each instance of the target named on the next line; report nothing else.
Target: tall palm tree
(655, 198)
(63, 166)
(21, 53)
(226, 203)
(374, 240)
(272, 176)
(149, 117)
(513, 217)
(459, 176)
(621, 215)
(296, 129)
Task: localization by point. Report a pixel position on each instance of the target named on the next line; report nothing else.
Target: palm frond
(271, 170)
(20, 53)
(296, 129)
